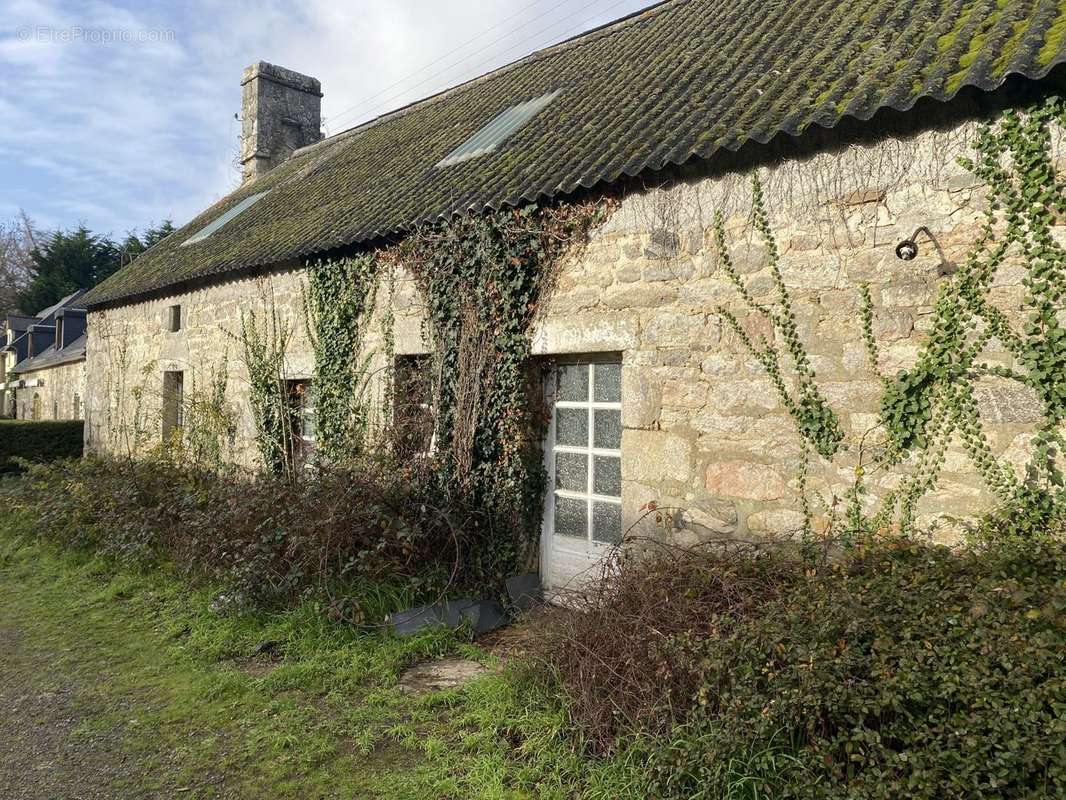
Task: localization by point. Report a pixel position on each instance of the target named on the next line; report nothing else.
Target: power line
(389, 100)
(363, 103)
(453, 51)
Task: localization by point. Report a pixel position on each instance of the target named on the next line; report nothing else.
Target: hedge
(39, 441)
(902, 670)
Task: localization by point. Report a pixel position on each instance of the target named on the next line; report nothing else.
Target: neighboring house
(44, 362)
(854, 115)
(13, 348)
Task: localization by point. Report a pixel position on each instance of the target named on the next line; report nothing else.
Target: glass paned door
(585, 455)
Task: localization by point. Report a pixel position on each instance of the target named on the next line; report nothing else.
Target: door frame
(593, 550)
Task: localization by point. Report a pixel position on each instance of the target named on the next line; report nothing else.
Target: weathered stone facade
(703, 428)
(130, 348)
(58, 392)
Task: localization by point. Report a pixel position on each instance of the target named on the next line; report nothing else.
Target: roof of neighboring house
(51, 357)
(681, 80)
(66, 302)
(18, 322)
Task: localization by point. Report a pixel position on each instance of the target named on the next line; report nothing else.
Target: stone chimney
(282, 111)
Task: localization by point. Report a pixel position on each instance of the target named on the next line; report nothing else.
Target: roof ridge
(675, 81)
(577, 40)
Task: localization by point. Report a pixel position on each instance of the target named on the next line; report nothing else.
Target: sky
(118, 115)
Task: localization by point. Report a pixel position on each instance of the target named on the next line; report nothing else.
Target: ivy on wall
(265, 342)
(339, 302)
(935, 398)
(927, 407)
(484, 278)
(816, 421)
(209, 431)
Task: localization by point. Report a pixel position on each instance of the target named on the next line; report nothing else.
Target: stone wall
(129, 348)
(703, 428)
(7, 395)
(61, 392)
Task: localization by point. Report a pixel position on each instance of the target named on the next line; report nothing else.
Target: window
(173, 402)
(210, 228)
(413, 421)
(585, 456)
(77, 406)
(36, 406)
(492, 135)
(173, 319)
(55, 409)
(304, 432)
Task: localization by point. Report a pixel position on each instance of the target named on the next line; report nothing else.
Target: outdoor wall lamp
(908, 248)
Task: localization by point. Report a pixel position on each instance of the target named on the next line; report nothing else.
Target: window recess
(304, 428)
(173, 402)
(413, 414)
(172, 319)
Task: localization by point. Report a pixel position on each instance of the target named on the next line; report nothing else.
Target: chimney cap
(283, 76)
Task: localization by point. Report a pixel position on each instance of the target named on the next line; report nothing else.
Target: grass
(164, 682)
(148, 656)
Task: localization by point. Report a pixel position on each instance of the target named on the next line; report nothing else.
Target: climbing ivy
(484, 278)
(339, 302)
(926, 407)
(265, 341)
(804, 402)
(209, 430)
(1025, 198)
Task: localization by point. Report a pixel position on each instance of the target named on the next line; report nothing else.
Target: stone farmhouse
(852, 114)
(43, 363)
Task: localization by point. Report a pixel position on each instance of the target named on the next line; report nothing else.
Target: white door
(583, 514)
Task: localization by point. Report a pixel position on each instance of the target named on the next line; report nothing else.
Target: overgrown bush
(269, 539)
(616, 657)
(901, 670)
(39, 441)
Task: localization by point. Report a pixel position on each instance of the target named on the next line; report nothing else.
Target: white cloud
(121, 134)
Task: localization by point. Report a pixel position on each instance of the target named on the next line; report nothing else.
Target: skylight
(210, 228)
(493, 135)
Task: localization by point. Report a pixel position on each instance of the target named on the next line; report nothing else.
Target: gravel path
(44, 754)
(94, 705)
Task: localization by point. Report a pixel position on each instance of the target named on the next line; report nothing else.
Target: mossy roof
(680, 80)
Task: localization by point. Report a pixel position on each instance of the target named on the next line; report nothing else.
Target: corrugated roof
(681, 80)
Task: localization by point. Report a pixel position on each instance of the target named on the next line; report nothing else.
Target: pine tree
(133, 245)
(65, 263)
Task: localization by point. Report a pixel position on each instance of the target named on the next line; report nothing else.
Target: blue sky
(120, 114)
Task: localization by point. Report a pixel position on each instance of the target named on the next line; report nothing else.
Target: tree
(133, 245)
(65, 263)
(17, 239)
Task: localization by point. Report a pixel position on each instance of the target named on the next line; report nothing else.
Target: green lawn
(149, 666)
